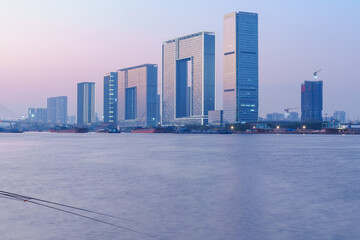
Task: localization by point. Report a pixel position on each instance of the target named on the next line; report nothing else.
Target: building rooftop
(241, 13)
(189, 36)
(313, 81)
(139, 66)
(86, 82)
(109, 73)
(246, 13)
(58, 97)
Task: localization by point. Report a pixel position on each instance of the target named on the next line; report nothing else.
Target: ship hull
(145, 130)
(12, 130)
(70, 130)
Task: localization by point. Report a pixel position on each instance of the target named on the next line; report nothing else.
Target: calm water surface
(181, 187)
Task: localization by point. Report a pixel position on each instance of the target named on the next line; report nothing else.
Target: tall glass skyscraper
(111, 97)
(241, 67)
(188, 79)
(86, 103)
(138, 96)
(311, 101)
(57, 109)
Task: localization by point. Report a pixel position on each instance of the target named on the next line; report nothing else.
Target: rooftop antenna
(315, 75)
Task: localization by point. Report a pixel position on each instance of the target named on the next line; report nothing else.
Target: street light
(232, 127)
(304, 127)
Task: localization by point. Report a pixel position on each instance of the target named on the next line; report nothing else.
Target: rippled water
(183, 186)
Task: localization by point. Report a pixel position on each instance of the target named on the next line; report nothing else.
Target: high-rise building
(138, 95)
(85, 103)
(340, 116)
(41, 115)
(111, 97)
(31, 114)
(57, 109)
(311, 101)
(188, 79)
(241, 70)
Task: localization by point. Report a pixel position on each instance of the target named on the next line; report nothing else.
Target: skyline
(75, 45)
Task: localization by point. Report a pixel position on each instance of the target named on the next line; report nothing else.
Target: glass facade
(111, 97)
(311, 101)
(86, 103)
(183, 86)
(188, 79)
(130, 103)
(241, 74)
(137, 94)
(57, 109)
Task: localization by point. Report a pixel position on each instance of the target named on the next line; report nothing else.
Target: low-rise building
(215, 117)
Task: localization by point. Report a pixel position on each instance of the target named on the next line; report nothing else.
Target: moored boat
(67, 129)
(108, 130)
(153, 130)
(144, 130)
(11, 130)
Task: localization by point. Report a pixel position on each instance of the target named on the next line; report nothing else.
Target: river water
(180, 187)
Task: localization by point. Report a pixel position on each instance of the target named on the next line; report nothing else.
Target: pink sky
(47, 47)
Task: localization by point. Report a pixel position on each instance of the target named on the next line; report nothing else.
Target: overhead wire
(41, 202)
(63, 205)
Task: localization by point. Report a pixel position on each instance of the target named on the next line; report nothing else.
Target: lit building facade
(111, 97)
(137, 96)
(188, 79)
(311, 101)
(57, 109)
(31, 114)
(241, 68)
(85, 103)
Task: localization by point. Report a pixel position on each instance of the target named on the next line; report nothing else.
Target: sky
(47, 47)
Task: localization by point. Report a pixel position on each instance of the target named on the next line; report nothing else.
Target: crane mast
(315, 75)
(287, 111)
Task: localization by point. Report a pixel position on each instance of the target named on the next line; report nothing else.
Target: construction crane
(140, 120)
(315, 74)
(287, 110)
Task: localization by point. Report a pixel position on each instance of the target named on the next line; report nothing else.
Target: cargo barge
(66, 129)
(154, 130)
(11, 130)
